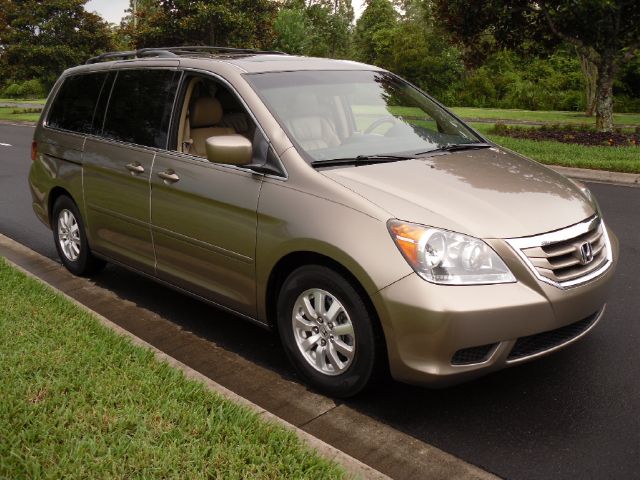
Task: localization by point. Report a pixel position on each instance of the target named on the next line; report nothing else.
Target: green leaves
(41, 39)
(235, 23)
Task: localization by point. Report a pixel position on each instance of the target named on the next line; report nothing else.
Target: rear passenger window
(140, 107)
(75, 103)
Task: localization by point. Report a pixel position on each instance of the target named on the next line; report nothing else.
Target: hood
(488, 193)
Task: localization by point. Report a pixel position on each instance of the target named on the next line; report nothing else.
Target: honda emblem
(586, 253)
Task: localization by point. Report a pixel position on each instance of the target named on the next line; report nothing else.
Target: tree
(373, 32)
(590, 74)
(605, 32)
(236, 23)
(291, 29)
(41, 39)
(320, 28)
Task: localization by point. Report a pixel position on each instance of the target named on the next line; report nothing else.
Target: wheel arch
(55, 193)
(293, 260)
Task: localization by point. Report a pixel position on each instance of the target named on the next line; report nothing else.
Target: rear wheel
(327, 331)
(71, 240)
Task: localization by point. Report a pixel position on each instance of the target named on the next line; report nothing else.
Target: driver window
(209, 109)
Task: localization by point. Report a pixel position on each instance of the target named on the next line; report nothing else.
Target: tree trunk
(590, 73)
(604, 95)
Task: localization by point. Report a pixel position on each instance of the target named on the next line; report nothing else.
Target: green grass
(615, 159)
(40, 101)
(540, 116)
(7, 113)
(79, 401)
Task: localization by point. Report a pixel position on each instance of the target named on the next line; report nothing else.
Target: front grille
(469, 356)
(527, 346)
(559, 257)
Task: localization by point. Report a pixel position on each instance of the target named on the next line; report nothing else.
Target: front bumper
(425, 324)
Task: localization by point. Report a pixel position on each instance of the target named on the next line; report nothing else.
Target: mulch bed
(581, 137)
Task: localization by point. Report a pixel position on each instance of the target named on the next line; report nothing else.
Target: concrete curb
(602, 176)
(355, 468)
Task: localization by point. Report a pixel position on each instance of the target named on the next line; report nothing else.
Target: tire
(70, 239)
(313, 342)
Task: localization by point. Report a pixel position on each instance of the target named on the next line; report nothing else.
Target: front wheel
(327, 331)
(71, 240)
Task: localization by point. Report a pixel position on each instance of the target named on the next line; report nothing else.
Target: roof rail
(213, 49)
(175, 51)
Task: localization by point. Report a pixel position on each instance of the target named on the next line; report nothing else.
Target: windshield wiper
(455, 147)
(361, 159)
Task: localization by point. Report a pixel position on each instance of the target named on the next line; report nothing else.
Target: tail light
(34, 151)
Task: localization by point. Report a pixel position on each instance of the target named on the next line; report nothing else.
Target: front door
(204, 228)
(203, 214)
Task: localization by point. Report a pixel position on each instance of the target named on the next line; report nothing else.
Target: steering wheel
(381, 121)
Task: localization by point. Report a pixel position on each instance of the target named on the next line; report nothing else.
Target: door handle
(134, 168)
(169, 176)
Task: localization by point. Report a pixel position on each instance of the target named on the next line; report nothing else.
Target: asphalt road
(575, 414)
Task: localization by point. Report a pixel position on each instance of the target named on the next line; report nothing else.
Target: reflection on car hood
(486, 193)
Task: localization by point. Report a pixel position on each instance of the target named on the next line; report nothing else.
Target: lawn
(615, 159)
(540, 116)
(7, 113)
(79, 401)
(40, 101)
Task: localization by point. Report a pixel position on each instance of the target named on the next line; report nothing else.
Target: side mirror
(229, 149)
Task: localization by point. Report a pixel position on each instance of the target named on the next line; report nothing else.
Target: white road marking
(5, 145)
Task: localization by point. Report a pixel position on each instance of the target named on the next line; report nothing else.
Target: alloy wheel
(323, 331)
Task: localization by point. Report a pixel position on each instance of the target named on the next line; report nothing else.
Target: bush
(27, 89)
(11, 91)
(626, 104)
(508, 80)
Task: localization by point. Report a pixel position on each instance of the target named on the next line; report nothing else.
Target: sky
(113, 10)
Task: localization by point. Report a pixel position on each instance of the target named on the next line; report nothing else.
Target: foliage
(236, 23)
(41, 39)
(373, 32)
(319, 28)
(291, 30)
(27, 89)
(409, 44)
(603, 31)
(509, 80)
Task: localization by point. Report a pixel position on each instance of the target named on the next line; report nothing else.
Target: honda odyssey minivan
(329, 200)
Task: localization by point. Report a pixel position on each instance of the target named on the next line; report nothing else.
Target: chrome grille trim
(535, 247)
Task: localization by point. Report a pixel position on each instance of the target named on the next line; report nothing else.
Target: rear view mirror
(229, 149)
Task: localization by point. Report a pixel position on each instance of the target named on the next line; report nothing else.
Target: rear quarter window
(140, 107)
(74, 105)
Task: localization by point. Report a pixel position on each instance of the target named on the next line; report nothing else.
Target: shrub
(27, 89)
(12, 91)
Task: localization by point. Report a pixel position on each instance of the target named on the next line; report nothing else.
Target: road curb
(601, 176)
(355, 468)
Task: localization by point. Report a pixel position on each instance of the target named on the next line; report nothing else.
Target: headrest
(206, 112)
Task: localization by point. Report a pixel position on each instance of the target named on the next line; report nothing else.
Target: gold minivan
(327, 199)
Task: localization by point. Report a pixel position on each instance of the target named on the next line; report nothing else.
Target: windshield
(348, 114)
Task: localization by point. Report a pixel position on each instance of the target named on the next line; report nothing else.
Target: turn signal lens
(34, 151)
(448, 258)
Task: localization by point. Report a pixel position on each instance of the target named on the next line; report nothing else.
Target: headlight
(448, 258)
